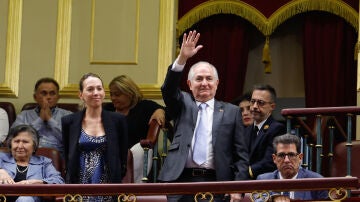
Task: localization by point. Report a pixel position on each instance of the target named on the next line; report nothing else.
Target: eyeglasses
(291, 155)
(261, 103)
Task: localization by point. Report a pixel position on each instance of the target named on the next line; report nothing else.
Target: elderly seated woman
(21, 166)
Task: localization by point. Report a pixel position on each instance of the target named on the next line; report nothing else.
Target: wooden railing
(320, 113)
(129, 192)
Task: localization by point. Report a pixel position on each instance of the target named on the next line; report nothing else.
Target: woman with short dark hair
(22, 166)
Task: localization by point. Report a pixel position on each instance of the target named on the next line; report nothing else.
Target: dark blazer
(230, 149)
(138, 119)
(300, 195)
(261, 150)
(117, 144)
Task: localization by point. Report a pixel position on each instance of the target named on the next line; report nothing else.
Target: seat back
(339, 164)
(10, 110)
(54, 155)
(73, 107)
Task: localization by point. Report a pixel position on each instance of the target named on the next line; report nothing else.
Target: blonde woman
(127, 100)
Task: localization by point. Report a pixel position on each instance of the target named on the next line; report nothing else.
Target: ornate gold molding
(165, 52)
(166, 39)
(10, 87)
(61, 73)
(266, 25)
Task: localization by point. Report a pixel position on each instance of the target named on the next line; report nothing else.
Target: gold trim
(63, 36)
(210, 8)
(10, 87)
(202, 196)
(263, 24)
(263, 195)
(340, 192)
(76, 197)
(166, 39)
(126, 197)
(107, 62)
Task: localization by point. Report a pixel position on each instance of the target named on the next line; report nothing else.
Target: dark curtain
(329, 66)
(329, 70)
(226, 45)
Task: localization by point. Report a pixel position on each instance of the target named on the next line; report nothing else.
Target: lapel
(194, 112)
(75, 130)
(106, 121)
(108, 128)
(217, 117)
(261, 134)
(300, 194)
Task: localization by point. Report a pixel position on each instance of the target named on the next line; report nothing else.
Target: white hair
(192, 69)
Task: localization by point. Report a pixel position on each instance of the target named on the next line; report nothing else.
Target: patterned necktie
(200, 144)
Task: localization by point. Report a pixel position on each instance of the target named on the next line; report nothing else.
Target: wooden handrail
(328, 111)
(247, 186)
(152, 135)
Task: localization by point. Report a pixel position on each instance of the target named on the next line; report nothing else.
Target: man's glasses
(259, 102)
(291, 155)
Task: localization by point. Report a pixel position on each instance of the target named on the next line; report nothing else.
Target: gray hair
(192, 69)
(23, 128)
(287, 139)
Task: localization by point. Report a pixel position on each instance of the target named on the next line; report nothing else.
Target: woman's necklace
(22, 171)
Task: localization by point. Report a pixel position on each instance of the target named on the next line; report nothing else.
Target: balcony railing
(338, 188)
(321, 114)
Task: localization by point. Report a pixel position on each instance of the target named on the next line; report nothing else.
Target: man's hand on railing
(280, 198)
(235, 197)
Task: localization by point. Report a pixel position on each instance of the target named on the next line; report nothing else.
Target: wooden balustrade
(131, 191)
(319, 113)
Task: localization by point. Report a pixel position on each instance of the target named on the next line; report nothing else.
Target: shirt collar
(281, 177)
(210, 103)
(260, 124)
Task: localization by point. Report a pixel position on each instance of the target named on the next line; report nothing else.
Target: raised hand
(188, 47)
(45, 111)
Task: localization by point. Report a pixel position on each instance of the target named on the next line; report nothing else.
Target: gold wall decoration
(10, 87)
(166, 37)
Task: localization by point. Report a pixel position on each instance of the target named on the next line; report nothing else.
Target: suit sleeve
(171, 93)
(241, 150)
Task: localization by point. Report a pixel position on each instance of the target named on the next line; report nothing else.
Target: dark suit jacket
(117, 145)
(261, 150)
(138, 119)
(230, 149)
(300, 195)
